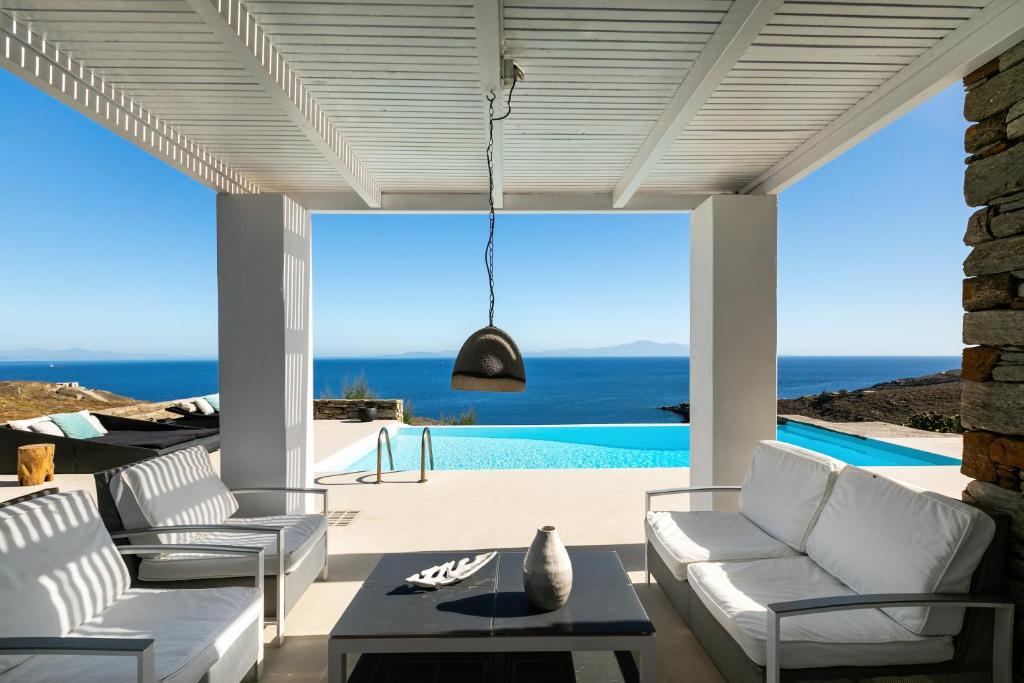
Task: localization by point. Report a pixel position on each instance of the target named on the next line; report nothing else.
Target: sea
(559, 390)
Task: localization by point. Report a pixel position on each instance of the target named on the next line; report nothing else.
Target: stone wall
(347, 408)
(992, 404)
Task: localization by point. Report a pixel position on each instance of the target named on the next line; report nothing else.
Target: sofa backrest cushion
(784, 490)
(58, 567)
(26, 425)
(178, 488)
(878, 536)
(76, 425)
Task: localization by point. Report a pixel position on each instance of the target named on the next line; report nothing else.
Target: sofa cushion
(737, 593)
(95, 422)
(75, 425)
(301, 533)
(58, 567)
(48, 427)
(214, 401)
(192, 628)
(177, 488)
(26, 425)
(203, 406)
(878, 536)
(785, 488)
(681, 538)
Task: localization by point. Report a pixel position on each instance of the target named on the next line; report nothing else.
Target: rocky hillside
(901, 401)
(928, 402)
(21, 400)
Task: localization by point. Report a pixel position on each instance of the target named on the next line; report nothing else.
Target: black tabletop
(491, 603)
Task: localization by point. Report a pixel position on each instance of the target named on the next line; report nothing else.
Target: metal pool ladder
(426, 443)
(391, 459)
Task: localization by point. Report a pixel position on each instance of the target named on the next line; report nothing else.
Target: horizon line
(403, 357)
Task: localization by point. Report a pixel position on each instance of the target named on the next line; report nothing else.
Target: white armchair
(178, 498)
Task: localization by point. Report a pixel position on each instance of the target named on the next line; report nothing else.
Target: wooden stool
(35, 464)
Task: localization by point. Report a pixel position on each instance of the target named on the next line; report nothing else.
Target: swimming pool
(606, 446)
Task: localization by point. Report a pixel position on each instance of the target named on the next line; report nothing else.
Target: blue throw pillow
(213, 400)
(75, 426)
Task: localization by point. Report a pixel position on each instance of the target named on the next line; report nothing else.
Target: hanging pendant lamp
(490, 359)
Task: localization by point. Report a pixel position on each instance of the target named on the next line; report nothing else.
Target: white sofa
(827, 571)
(68, 613)
(178, 498)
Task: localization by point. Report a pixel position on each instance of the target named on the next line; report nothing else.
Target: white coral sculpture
(450, 572)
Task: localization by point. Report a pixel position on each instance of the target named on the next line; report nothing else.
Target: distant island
(639, 349)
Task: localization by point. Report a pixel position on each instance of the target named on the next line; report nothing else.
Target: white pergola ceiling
(638, 105)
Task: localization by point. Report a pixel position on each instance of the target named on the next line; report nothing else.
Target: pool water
(610, 446)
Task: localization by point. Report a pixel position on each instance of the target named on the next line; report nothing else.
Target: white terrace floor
(462, 511)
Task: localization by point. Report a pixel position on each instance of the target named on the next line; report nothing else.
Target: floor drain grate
(341, 517)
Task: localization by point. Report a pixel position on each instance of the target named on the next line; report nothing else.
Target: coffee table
(489, 612)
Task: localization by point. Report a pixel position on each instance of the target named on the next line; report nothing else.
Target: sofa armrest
(1002, 641)
(142, 649)
(310, 491)
(255, 553)
(686, 489)
(277, 532)
(285, 489)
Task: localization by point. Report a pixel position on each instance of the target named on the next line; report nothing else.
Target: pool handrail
(426, 441)
(391, 460)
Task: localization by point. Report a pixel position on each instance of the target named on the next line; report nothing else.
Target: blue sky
(108, 248)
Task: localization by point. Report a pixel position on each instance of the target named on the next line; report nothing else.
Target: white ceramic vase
(547, 571)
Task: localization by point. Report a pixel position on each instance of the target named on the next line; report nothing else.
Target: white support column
(732, 338)
(264, 275)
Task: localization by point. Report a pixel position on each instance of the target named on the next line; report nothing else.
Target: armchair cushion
(878, 536)
(785, 488)
(301, 533)
(737, 593)
(177, 488)
(681, 538)
(58, 567)
(192, 628)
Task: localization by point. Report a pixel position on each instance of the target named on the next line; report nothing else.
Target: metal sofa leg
(647, 562)
(327, 557)
(279, 640)
(281, 587)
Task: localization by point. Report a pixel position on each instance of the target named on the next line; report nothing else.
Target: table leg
(647, 662)
(337, 663)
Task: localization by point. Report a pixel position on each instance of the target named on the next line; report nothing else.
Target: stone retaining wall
(348, 408)
(992, 404)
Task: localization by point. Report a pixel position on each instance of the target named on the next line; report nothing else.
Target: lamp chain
(489, 250)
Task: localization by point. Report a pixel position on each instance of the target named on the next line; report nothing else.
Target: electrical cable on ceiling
(489, 249)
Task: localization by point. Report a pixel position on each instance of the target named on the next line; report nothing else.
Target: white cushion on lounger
(192, 628)
(878, 536)
(48, 427)
(95, 422)
(58, 567)
(784, 490)
(203, 406)
(177, 488)
(26, 425)
(681, 538)
(301, 532)
(736, 594)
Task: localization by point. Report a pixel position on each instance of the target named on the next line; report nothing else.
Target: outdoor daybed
(126, 441)
(69, 612)
(178, 498)
(831, 572)
(197, 412)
